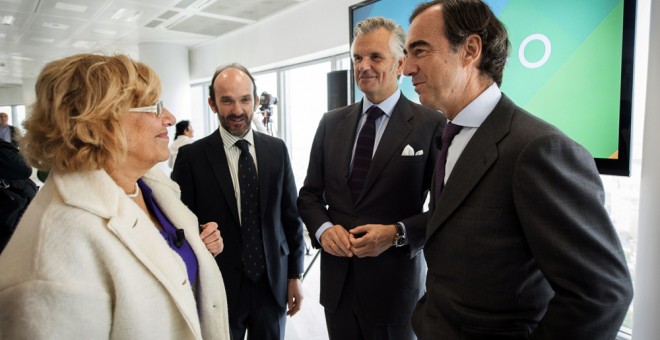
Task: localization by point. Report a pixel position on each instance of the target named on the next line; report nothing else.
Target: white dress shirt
(233, 152)
(471, 118)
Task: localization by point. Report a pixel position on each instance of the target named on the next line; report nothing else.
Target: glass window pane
(19, 116)
(267, 113)
(199, 112)
(306, 102)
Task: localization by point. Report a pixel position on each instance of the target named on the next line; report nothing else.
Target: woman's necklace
(136, 193)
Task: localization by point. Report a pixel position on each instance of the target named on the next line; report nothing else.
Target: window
(267, 82)
(201, 117)
(306, 101)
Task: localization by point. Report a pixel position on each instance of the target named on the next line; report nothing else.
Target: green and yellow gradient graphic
(578, 87)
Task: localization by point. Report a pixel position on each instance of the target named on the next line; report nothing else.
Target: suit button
(354, 217)
(431, 278)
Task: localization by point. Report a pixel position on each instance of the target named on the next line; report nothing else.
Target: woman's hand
(211, 237)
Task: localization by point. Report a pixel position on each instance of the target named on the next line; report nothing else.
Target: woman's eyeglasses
(156, 108)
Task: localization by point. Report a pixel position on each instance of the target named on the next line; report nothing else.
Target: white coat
(174, 148)
(87, 263)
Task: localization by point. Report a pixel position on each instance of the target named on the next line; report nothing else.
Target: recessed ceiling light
(118, 14)
(199, 4)
(70, 7)
(18, 57)
(44, 40)
(127, 15)
(55, 25)
(8, 20)
(134, 17)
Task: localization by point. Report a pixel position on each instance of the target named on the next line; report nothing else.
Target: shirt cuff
(325, 226)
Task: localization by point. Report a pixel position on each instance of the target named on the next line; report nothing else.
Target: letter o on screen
(546, 54)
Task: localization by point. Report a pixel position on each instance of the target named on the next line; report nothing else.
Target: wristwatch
(400, 238)
(293, 277)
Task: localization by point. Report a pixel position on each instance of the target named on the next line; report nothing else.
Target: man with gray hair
(362, 201)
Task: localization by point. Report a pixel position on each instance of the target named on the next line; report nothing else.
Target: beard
(235, 128)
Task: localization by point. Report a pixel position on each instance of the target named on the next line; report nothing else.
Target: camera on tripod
(267, 101)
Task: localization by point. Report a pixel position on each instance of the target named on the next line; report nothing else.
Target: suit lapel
(214, 152)
(264, 156)
(394, 135)
(345, 140)
(475, 160)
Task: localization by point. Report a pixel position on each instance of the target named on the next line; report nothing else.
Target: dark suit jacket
(202, 172)
(12, 132)
(395, 190)
(520, 245)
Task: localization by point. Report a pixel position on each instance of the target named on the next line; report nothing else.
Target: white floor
(309, 323)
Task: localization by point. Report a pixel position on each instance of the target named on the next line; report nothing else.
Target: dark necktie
(253, 252)
(364, 149)
(450, 131)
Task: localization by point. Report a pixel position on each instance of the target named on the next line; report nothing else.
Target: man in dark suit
(369, 220)
(7, 132)
(519, 244)
(208, 173)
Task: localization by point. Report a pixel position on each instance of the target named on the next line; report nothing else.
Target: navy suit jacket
(520, 245)
(395, 190)
(202, 171)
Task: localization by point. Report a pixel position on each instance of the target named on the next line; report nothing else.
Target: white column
(29, 95)
(647, 280)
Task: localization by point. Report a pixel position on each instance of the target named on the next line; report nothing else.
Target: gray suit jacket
(520, 245)
(395, 190)
(202, 171)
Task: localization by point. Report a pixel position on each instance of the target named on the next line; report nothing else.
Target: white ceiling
(44, 30)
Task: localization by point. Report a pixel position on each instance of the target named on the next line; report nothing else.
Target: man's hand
(211, 237)
(374, 239)
(294, 296)
(335, 241)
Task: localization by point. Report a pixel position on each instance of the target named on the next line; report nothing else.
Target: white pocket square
(408, 151)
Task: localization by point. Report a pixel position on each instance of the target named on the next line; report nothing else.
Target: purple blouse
(169, 232)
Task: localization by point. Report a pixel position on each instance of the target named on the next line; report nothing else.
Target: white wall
(171, 63)
(314, 29)
(647, 294)
(11, 95)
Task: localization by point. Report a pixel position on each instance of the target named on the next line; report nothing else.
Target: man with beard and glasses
(369, 174)
(243, 179)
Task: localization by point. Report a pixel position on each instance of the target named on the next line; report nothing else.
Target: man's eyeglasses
(156, 108)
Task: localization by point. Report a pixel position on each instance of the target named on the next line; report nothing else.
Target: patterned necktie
(450, 131)
(364, 149)
(253, 252)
